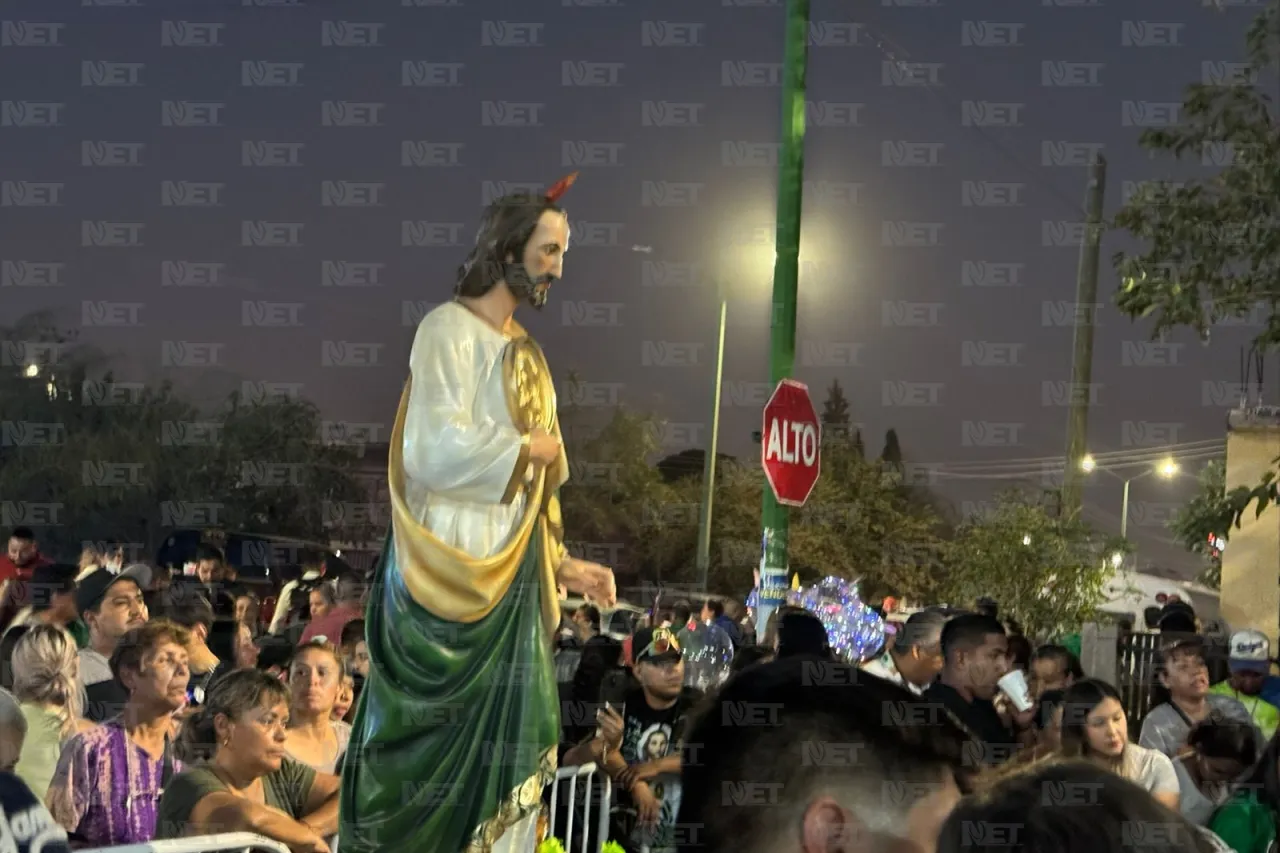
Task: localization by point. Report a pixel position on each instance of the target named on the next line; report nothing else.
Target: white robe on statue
(458, 467)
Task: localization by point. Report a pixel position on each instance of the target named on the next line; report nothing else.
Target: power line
(1116, 457)
(1057, 466)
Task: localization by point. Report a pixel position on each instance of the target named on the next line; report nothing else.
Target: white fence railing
(584, 773)
(230, 842)
(581, 777)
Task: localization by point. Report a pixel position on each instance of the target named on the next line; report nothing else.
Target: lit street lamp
(1168, 470)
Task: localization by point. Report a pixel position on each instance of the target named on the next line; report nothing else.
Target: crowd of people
(143, 703)
(918, 747)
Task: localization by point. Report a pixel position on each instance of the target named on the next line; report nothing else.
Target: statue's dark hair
(505, 228)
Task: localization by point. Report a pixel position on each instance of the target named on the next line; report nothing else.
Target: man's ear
(828, 827)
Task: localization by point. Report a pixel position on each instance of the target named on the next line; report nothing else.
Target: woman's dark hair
(1050, 702)
(1220, 737)
(1042, 810)
(232, 696)
(352, 633)
(1078, 701)
(274, 651)
(505, 228)
(1019, 652)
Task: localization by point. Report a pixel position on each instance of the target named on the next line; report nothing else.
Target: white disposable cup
(1014, 685)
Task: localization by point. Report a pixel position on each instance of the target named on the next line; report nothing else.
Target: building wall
(1251, 561)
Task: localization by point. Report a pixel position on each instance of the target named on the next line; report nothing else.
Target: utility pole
(1086, 316)
(709, 464)
(775, 518)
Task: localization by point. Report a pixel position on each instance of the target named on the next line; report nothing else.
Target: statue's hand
(592, 581)
(544, 448)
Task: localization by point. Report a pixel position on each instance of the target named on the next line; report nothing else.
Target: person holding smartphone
(646, 766)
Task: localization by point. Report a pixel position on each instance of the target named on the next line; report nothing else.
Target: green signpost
(775, 517)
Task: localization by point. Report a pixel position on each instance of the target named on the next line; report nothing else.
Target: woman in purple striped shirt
(108, 783)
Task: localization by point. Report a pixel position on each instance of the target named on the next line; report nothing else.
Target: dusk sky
(358, 140)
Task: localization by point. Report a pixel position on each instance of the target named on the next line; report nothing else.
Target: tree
(1047, 573)
(87, 458)
(1211, 249)
(891, 455)
(835, 413)
(857, 523)
(618, 507)
(688, 463)
(1199, 523)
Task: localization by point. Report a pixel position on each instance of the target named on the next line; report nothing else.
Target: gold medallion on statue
(530, 394)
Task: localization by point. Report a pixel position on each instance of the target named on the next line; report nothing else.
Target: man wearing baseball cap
(1250, 663)
(111, 604)
(646, 770)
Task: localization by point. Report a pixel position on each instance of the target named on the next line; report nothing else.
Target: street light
(1116, 559)
(32, 371)
(1087, 464)
(1167, 469)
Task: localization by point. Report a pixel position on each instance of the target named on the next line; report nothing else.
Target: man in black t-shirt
(646, 770)
(975, 652)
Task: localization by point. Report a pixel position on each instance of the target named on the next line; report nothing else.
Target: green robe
(457, 724)
(455, 736)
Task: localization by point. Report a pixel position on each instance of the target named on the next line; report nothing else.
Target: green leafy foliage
(1047, 572)
(1210, 512)
(84, 457)
(1210, 247)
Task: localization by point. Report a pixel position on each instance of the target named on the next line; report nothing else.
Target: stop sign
(790, 443)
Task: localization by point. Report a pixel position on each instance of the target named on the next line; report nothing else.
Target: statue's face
(544, 253)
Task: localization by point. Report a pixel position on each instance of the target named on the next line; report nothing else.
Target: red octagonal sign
(791, 443)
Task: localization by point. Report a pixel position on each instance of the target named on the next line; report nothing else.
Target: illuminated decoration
(854, 630)
(708, 661)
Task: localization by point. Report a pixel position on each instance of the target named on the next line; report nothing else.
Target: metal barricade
(230, 842)
(581, 776)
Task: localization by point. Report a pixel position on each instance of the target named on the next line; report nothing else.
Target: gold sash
(450, 583)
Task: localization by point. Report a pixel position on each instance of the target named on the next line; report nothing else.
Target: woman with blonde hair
(46, 683)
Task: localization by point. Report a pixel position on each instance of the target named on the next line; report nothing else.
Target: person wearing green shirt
(1247, 822)
(1250, 664)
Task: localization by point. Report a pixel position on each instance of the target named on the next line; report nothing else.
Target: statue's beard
(522, 286)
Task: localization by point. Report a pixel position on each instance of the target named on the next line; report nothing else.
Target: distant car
(617, 623)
